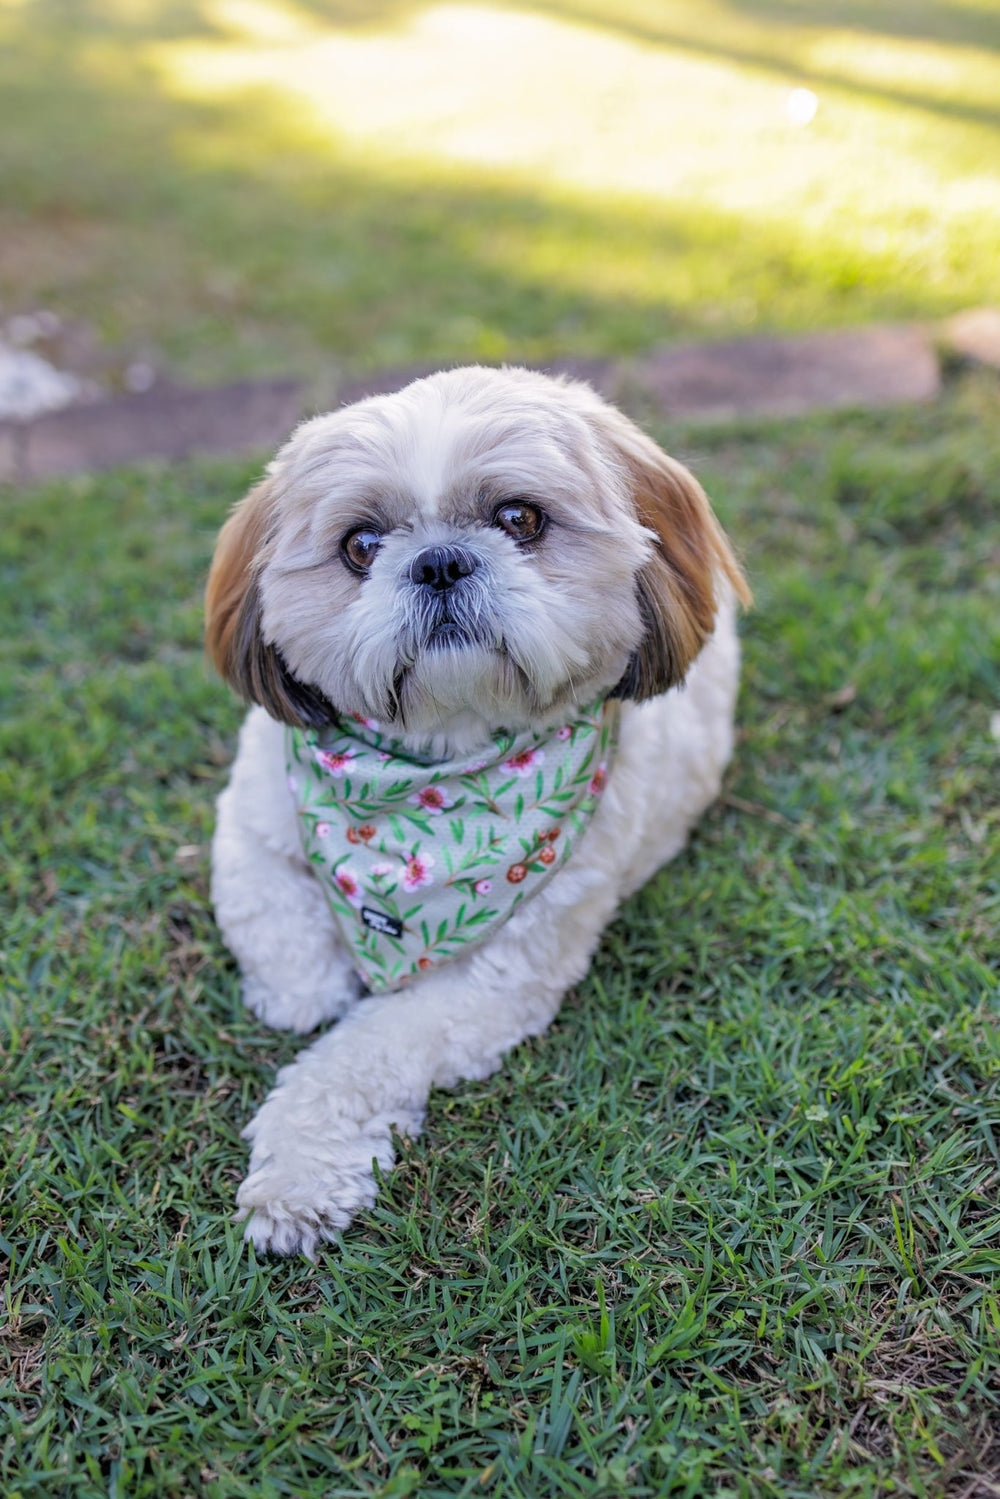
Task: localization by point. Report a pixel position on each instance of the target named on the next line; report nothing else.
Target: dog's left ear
(678, 588)
(234, 632)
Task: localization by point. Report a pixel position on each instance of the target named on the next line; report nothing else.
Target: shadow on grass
(968, 25)
(776, 35)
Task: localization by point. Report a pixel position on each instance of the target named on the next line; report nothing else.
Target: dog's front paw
(302, 1188)
(292, 1205)
(301, 1011)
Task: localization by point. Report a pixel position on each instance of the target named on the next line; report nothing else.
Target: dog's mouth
(454, 621)
(446, 634)
(454, 658)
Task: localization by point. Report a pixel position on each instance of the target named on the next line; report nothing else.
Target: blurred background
(215, 189)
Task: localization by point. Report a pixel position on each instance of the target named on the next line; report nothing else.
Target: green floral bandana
(422, 860)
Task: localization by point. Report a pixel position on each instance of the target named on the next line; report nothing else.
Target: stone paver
(606, 375)
(758, 376)
(974, 335)
(169, 423)
(875, 366)
(379, 383)
(10, 447)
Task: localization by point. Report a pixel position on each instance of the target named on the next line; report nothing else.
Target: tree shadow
(966, 25)
(747, 48)
(960, 24)
(195, 18)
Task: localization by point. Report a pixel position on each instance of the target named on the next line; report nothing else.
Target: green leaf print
(386, 832)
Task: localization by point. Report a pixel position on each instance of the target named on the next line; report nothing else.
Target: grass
(730, 1228)
(234, 187)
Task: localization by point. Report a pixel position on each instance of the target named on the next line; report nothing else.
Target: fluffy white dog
(465, 612)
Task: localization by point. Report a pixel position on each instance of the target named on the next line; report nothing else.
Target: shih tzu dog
(488, 627)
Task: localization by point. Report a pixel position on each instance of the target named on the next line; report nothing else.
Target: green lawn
(730, 1228)
(234, 187)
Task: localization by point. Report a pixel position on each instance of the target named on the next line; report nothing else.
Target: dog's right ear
(234, 635)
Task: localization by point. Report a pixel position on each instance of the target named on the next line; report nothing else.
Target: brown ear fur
(677, 586)
(233, 631)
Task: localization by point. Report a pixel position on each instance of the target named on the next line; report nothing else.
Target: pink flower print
(293, 785)
(483, 887)
(599, 779)
(348, 886)
(379, 871)
(565, 732)
(382, 756)
(432, 799)
(524, 763)
(366, 723)
(417, 872)
(335, 764)
(547, 855)
(322, 830)
(475, 767)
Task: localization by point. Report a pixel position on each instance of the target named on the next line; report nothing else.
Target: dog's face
(483, 549)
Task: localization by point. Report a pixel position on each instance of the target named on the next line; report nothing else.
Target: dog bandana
(423, 859)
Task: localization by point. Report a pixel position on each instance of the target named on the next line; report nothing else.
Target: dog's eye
(519, 519)
(359, 547)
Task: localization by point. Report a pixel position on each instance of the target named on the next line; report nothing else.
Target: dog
(487, 627)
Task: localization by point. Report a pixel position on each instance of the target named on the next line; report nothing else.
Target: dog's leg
(276, 922)
(333, 1109)
(270, 908)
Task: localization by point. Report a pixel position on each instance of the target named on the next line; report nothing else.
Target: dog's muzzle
(450, 597)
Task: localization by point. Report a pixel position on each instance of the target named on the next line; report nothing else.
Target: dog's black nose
(441, 567)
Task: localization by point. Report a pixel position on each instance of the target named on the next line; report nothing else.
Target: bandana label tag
(380, 922)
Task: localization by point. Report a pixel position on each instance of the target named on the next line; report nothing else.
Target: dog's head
(481, 550)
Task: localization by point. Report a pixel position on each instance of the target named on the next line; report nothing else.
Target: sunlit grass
(560, 104)
(260, 185)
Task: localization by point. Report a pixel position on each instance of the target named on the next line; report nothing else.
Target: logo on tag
(380, 922)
